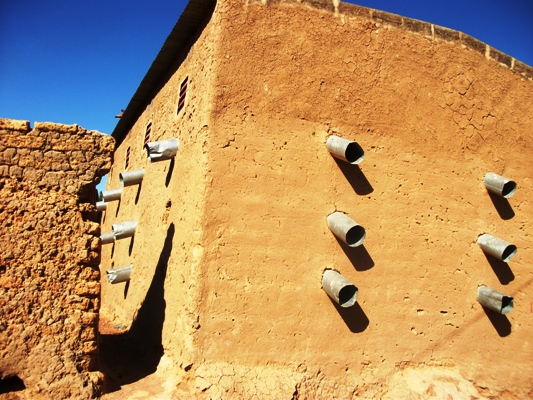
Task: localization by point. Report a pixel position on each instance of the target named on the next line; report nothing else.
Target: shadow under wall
(128, 357)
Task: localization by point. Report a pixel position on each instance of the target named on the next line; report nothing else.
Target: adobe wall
(433, 116)
(157, 309)
(232, 241)
(49, 256)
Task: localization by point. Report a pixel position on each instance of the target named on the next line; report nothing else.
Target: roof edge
(192, 17)
(196, 12)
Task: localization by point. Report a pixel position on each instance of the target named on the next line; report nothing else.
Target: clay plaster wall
(245, 315)
(433, 116)
(158, 306)
(49, 256)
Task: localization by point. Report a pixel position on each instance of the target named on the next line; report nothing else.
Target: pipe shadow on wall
(118, 208)
(501, 269)
(354, 317)
(358, 256)
(169, 173)
(500, 322)
(355, 177)
(131, 356)
(502, 205)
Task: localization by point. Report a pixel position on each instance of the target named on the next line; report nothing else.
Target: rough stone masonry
(49, 256)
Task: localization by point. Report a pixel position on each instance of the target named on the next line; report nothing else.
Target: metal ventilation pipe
(346, 229)
(108, 237)
(498, 184)
(101, 205)
(345, 149)
(339, 288)
(117, 275)
(495, 300)
(497, 247)
(112, 195)
(124, 229)
(162, 150)
(131, 178)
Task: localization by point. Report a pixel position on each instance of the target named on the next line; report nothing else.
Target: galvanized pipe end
(340, 289)
(495, 300)
(108, 237)
(101, 205)
(498, 184)
(112, 195)
(345, 149)
(124, 230)
(346, 229)
(131, 178)
(162, 150)
(117, 275)
(497, 247)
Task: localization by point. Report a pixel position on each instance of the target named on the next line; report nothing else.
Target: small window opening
(11, 384)
(127, 158)
(183, 94)
(147, 133)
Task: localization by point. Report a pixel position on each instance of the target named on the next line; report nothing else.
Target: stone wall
(49, 256)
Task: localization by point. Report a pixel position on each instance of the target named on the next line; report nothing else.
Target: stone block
(387, 18)
(321, 4)
(500, 57)
(15, 171)
(473, 43)
(417, 26)
(14, 125)
(352, 10)
(523, 69)
(54, 127)
(449, 35)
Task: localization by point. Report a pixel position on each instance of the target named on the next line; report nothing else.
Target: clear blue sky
(80, 61)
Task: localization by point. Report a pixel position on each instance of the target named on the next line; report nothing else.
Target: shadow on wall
(502, 205)
(501, 269)
(355, 177)
(499, 321)
(131, 356)
(354, 317)
(358, 256)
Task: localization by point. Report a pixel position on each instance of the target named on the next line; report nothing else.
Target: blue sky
(81, 61)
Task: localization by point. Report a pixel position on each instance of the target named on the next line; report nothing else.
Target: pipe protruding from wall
(495, 300)
(346, 229)
(162, 150)
(107, 237)
(345, 149)
(130, 178)
(498, 184)
(124, 230)
(497, 247)
(117, 275)
(112, 195)
(101, 205)
(339, 288)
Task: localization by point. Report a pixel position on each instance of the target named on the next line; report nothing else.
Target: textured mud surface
(248, 195)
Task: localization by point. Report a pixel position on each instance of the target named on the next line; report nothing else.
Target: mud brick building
(49, 257)
(232, 241)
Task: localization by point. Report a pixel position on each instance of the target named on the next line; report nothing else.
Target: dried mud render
(433, 118)
(49, 256)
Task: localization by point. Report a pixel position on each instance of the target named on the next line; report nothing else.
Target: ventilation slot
(183, 94)
(147, 134)
(127, 158)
